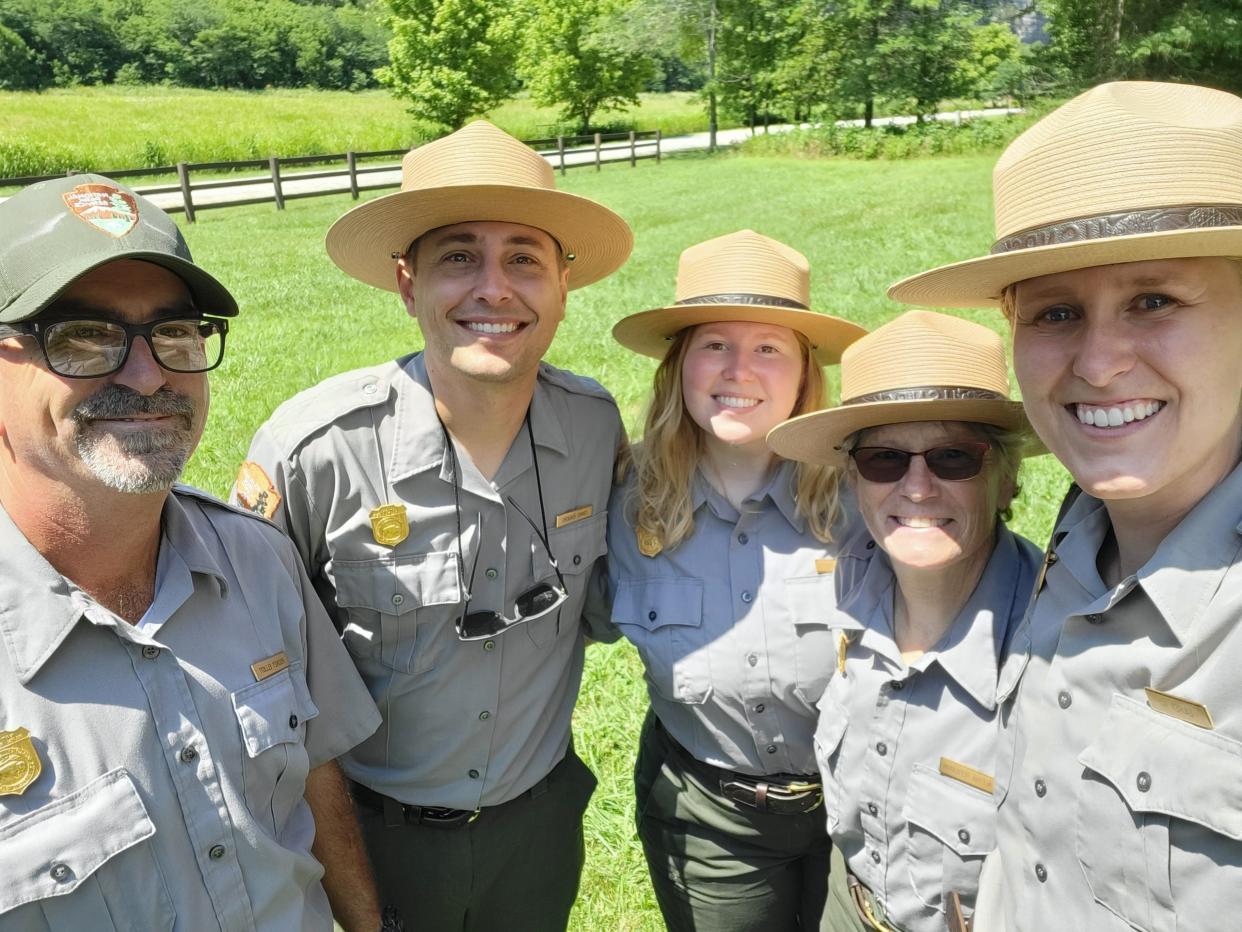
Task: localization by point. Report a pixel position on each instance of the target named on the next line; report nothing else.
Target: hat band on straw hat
(1123, 223)
(745, 298)
(927, 393)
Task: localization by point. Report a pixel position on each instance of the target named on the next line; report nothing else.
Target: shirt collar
(418, 441)
(38, 606)
(779, 490)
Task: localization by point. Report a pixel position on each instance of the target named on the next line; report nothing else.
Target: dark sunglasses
(951, 462)
(534, 603)
(90, 348)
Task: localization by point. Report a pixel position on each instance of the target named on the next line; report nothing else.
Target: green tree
(451, 59)
(569, 57)
(18, 69)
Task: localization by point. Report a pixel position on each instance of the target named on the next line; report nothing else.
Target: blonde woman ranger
(928, 590)
(721, 568)
(1117, 218)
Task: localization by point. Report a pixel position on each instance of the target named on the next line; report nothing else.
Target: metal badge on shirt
(648, 542)
(576, 514)
(269, 666)
(19, 762)
(389, 525)
(968, 775)
(1186, 710)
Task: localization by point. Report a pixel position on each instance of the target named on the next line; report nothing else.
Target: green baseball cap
(54, 232)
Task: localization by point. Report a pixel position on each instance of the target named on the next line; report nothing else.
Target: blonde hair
(661, 502)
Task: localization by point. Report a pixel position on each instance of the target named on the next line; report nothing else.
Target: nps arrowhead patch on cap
(104, 207)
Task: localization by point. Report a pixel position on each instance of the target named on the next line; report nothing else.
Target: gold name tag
(269, 666)
(825, 566)
(569, 517)
(1185, 710)
(968, 775)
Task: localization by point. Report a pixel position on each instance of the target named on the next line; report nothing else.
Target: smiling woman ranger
(1121, 759)
(720, 562)
(927, 593)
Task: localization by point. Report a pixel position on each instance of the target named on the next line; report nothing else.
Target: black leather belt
(398, 813)
(780, 794)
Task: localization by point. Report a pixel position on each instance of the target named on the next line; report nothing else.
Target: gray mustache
(113, 401)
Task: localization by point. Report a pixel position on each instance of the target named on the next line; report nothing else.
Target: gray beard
(139, 463)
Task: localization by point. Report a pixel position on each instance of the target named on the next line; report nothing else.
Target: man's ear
(405, 283)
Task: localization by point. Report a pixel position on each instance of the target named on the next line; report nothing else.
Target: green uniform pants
(840, 915)
(718, 866)
(513, 869)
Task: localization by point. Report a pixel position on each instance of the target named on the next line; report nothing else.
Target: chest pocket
(663, 618)
(84, 862)
(810, 600)
(829, 734)
(951, 828)
(1159, 820)
(392, 604)
(272, 715)
(576, 547)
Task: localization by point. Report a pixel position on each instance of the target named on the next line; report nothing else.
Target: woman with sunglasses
(721, 561)
(927, 593)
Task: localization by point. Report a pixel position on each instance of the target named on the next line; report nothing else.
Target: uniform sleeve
(347, 713)
(597, 610)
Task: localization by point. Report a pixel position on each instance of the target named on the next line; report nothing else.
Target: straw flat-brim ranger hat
(479, 172)
(54, 232)
(741, 276)
(1126, 172)
(923, 366)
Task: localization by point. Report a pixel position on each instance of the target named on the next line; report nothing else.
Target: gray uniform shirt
(732, 626)
(1116, 811)
(172, 776)
(910, 826)
(466, 723)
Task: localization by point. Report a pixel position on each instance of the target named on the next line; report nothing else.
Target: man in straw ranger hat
(172, 694)
(1118, 217)
(450, 507)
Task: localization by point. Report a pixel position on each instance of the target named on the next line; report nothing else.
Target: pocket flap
(271, 710)
(576, 546)
(51, 851)
(811, 599)
(1160, 764)
(396, 585)
(655, 602)
(963, 818)
(829, 726)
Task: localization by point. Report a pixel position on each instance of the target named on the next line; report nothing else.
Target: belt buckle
(742, 793)
(442, 817)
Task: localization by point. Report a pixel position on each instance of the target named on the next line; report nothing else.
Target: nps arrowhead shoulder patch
(255, 491)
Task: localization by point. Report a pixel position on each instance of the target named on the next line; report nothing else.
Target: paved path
(293, 186)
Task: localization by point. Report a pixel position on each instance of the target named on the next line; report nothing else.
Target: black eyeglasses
(951, 462)
(89, 348)
(540, 599)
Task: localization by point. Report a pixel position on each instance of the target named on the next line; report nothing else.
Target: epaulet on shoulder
(572, 382)
(314, 408)
(206, 498)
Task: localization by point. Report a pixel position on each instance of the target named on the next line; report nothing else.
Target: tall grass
(102, 128)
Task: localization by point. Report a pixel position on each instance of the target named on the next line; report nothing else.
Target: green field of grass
(101, 128)
(861, 224)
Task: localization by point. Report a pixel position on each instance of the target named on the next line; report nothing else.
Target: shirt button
(771, 748)
(490, 572)
(187, 755)
(1064, 699)
(871, 545)
(742, 539)
(898, 685)
(369, 388)
(489, 645)
(1095, 618)
(293, 721)
(484, 715)
(875, 856)
(398, 599)
(1144, 781)
(653, 615)
(1041, 873)
(60, 872)
(577, 559)
(1041, 789)
(760, 707)
(216, 852)
(963, 836)
(752, 659)
(150, 653)
(873, 809)
(474, 774)
(1052, 558)
(881, 748)
(746, 596)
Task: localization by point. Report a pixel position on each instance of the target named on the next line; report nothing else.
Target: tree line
(752, 59)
